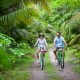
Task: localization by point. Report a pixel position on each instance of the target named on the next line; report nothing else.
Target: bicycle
(60, 57)
(41, 57)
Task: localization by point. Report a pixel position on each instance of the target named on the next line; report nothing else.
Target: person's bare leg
(37, 54)
(54, 54)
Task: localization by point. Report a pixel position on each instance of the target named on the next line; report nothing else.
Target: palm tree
(18, 7)
(14, 12)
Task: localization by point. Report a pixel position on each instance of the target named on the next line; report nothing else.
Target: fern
(5, 40)
(24, 13)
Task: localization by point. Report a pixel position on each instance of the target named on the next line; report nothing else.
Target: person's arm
(64, 41)
(36, 43)
(46, 42)
(54, 42)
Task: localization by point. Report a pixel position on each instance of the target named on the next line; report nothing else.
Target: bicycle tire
(42, 64)
(62, 62)
(59, 58)
(59, 62)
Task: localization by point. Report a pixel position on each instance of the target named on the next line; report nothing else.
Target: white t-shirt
(41, 42)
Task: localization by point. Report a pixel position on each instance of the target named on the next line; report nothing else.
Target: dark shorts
(55, 49)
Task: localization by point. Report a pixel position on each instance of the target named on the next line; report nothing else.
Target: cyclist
(59, 42)
(41, 42)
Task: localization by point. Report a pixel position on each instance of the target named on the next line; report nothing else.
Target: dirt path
(37, 73)
(66, 73)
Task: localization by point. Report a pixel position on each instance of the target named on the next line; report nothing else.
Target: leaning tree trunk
(74, 40)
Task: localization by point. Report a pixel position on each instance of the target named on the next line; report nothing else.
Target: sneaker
(44, 60)
(56, 61)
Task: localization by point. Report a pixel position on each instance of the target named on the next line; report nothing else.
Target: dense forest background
(22, 20)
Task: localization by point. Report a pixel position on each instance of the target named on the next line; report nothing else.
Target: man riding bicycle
(59, 42)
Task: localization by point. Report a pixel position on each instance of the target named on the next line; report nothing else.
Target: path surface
(37, 73)
(66, 73)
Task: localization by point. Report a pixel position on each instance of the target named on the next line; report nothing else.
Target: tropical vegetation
(22, 20)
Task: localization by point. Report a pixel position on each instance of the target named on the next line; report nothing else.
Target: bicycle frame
(59, 54)
(42, 55)
(60, 57)
(41, 58)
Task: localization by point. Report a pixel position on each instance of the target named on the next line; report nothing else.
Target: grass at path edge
(50, 69)
(21, 71)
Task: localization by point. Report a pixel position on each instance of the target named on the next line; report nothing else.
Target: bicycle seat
(60, 49)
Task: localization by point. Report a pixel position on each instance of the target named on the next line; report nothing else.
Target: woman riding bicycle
(42, 43)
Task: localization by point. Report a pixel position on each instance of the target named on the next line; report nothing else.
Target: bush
(4, 59)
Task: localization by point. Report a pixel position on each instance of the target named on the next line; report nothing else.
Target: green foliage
(65, 17)
(70, 4)
(20, 15)
(78, 57)
(1, 78)
(77, 68)
(5, 40)
(11, 17)
(75, 40)
(20, 50)
(4, 59)
(71, 26)
(11, 53)
(23, 20)
(31, 39)
(7, 3)
(17, 52)
(23, 46)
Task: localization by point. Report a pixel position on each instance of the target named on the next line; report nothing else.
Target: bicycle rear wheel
(42, 60)
(59, 56)
(62, 62)
(42, 64)
(59, 62)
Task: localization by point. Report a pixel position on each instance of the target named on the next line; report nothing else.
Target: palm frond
(42, 3)
(7, 3)
(25, 13)
(45, 6)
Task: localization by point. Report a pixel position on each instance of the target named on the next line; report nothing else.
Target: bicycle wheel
(62, 62)
(59, 57)
(42, 64)
(42, 60)
(59, 62)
